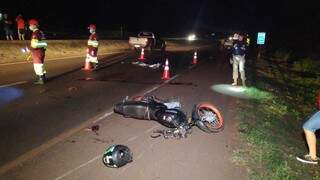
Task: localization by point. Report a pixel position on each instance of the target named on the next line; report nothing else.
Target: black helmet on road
(116, 156)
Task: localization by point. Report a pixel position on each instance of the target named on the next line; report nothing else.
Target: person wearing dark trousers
(7, 26)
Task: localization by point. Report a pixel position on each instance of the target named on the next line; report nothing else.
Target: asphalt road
(43, 128)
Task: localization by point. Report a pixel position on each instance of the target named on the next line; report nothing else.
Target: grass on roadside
(270, 123)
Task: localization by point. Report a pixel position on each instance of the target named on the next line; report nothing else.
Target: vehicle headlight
(191, 37)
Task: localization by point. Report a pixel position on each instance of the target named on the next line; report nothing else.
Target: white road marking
(75, 169)
(55, 59)
(13, 84)
(103, 117)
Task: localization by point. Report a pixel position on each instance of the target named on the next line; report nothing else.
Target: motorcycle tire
(214, 124)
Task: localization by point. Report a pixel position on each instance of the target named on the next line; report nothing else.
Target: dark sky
(169, 16)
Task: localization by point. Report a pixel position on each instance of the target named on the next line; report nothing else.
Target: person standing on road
(92, 49)
(238, 59)
(309, 128)
(7, 26)
(38, 48)
(20, 27)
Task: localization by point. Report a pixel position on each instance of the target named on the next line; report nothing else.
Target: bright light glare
(9, 94)
(238, 89)
(241, 92)
(227, 89)
(25, 50)
(191, 37)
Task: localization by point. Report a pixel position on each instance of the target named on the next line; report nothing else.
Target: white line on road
(82, 165)
(103, 116)
(55, 59)
(13, 84)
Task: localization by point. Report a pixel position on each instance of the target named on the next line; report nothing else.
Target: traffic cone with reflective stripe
(166, 72)
(87, 63)
(142, 55)
(87, 66)
(195, 58)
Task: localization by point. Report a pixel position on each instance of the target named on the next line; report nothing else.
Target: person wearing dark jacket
(238, 59)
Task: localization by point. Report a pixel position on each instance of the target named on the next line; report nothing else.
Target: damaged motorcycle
(168, 113)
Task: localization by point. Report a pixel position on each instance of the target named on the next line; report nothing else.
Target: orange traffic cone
(166, 72)
(142, 55)
(195, 56)
(87, 66)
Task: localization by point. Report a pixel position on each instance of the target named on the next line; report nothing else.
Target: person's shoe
(234, 84)
(44, 78)
(307, 159)
(39, 81)
(243, 83)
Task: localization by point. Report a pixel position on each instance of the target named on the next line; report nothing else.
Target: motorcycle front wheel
(210, 118)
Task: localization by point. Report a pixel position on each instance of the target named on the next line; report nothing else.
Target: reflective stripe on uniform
(38, 44)
(92, 59)
(39, 69)
(93, 43)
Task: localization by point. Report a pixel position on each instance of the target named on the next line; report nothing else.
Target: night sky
(172, 16)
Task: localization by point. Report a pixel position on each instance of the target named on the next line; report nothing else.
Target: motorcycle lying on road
(168, 113)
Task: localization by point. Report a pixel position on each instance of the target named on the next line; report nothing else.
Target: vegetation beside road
(271, 128)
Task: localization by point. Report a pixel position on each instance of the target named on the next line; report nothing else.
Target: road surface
(44, 128)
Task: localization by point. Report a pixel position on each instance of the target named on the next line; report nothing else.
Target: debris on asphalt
(142, 64)
(169, 133)
(71, 141)
(99, 140)
(43, 91)
(94, 128)
(72, 88)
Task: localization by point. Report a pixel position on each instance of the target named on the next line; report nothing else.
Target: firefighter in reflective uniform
(93, 44)
(38, 48)
(238, 59)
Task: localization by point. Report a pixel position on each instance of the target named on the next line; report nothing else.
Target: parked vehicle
(147, 40)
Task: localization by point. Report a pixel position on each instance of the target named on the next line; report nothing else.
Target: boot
(44, 78)
(235, 82)
(243, 83)
(95, 65)
(40, 80)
